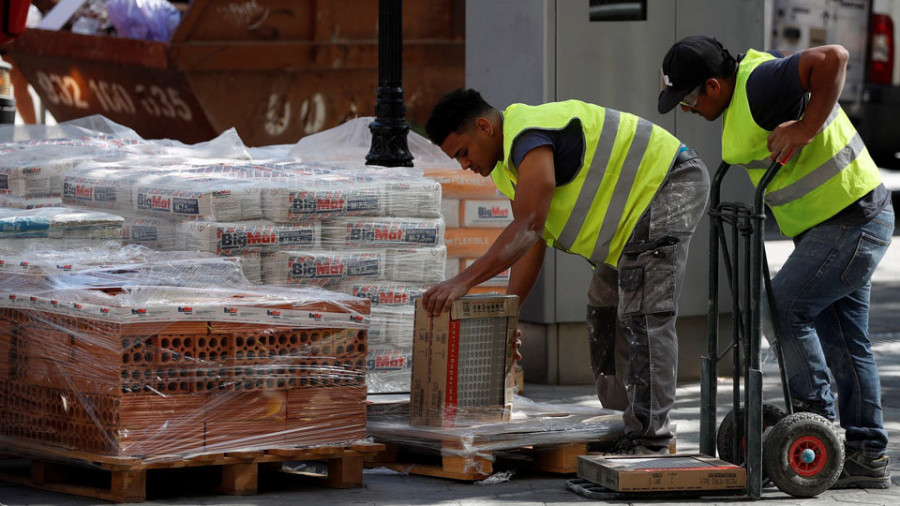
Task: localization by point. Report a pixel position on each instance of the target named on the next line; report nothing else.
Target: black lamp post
(389, 130)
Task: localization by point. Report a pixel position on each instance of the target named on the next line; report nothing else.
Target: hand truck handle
(776, 165)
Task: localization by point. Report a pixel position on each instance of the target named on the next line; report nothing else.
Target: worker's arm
(525, 272)
(822, 73)
(534, 192)
(522, 278)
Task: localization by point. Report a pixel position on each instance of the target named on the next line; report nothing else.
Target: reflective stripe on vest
(825, 176)
(623, 189)
(594, 214)
(591, 181)
(840, 161)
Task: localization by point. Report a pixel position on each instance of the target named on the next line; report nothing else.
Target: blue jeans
(822, 300)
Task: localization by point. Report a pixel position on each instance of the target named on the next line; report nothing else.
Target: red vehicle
(12, 18)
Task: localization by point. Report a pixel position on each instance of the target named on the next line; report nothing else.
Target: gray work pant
(632, 309)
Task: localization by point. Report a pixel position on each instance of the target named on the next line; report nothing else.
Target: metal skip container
(275, 70)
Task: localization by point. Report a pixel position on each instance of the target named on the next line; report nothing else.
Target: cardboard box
(654, 473)
(462, 371)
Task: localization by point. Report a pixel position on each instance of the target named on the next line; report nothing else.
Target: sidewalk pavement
(384, 487)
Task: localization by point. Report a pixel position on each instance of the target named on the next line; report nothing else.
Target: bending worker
(828, 197)
(608, 186)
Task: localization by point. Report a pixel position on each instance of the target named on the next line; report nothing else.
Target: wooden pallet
(456, 464)
(125, 479)
(474, 454)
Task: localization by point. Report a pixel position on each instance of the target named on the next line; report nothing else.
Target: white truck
(871, 94)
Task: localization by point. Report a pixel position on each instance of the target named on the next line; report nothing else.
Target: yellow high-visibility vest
(830, 173)
(624, 163)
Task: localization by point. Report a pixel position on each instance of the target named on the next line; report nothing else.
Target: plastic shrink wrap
(319, 221)
(115, 359)
(537, 432)
(326, 224)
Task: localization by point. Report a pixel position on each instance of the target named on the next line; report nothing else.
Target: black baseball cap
(689, 63)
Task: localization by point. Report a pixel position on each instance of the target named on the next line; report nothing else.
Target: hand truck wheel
(732, 427)
(803, 454)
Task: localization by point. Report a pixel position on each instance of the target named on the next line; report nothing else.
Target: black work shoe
(864, 472)
(624, 445)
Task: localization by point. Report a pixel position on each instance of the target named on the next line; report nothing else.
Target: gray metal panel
(509, 46)
(614, 63)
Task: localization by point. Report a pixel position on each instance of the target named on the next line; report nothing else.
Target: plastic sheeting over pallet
(114, 360)
(549, 436)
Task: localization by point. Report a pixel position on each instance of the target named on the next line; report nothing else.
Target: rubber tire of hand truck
(729, 430)
(783, 454)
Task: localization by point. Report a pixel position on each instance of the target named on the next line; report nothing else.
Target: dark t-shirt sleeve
(774, 91)
(567, 145)
(528, 140)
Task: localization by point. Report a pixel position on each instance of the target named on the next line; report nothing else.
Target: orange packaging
(469, 242)
(459, 184)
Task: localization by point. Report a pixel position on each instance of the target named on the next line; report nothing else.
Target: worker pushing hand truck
(801, 453)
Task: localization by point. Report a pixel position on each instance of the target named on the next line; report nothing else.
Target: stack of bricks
(170, 387)
(475, 213)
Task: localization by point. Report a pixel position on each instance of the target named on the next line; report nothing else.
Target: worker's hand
(440, 297)
(518, 344)
(787, 138)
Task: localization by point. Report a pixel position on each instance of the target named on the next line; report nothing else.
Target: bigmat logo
(240, 238)
(273, 313)
(390, 297)
(316, 316)
(154, 202)
(231, 311)
(185, 309)
(379, 234)
(388, 360)
(493, 212)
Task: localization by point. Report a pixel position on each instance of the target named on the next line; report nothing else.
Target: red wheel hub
(799, 464)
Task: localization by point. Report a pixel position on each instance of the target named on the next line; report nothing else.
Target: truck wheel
(732, 428)
(803, 455)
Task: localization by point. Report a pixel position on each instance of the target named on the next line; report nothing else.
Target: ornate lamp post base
(389, 131)
(390, 128)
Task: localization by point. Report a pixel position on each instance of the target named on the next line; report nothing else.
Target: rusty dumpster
(276, 70)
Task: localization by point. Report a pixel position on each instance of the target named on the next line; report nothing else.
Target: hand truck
(801, 453)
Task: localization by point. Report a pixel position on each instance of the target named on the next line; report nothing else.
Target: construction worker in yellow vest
(605, 185)
(828, 197)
